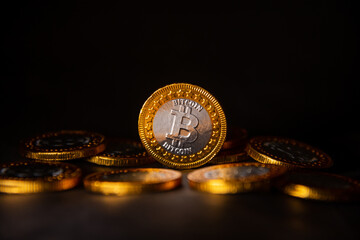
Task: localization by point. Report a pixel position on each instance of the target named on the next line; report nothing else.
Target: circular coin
(132, 181)
(122, 153)
(320, 186)
(234, 178)
(33, 177)
(182, 126)
(287, 152)
(63, 145)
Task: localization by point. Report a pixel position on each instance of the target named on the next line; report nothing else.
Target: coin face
(320, 186)
(234, 178)
(63, 145)
(122, 153)
(287, 152)
(182, 126)
(132, 181)
(32, 177)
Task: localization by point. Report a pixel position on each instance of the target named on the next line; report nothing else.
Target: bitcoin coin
(182, 126)
(234, 178)
(287, 152)
(133, 181)
(236, 138)
(320, 186)
(230, 156)
(34, 177)
(63, 145)
(122, 153)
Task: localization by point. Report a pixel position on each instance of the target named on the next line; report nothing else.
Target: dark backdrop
(281, 68)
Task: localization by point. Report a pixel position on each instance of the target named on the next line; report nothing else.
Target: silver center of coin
(289, 151)
(236, 172)
(182, 126)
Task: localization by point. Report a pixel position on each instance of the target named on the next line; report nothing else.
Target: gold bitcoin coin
(234, 178)
(34, 177)
(133, 181)
(320, 186)
(63, 145)
(182, 126)
(122, 153)
(287, 152)
(236, 138)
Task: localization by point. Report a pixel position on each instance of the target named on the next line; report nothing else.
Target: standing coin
(63, 145)
(287, 152)
(234, 178)
(33, 177)
(182, 126)
(132, 181)
(122, 153)
(320, 186)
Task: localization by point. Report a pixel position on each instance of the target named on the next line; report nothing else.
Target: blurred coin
(63, 145)
(33, 177)
(236, 138)
(234, 178)
(287, 152)
(320, 186)
(182, 126)
(122, 153)
(132, 181)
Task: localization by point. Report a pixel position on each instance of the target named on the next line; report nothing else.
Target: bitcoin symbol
(183, 121)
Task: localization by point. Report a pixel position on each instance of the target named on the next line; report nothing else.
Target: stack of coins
(181, 126)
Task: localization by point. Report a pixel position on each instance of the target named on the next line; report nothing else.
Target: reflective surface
(289, 151)
(182, 126)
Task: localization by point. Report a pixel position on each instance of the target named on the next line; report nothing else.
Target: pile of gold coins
(183, 127)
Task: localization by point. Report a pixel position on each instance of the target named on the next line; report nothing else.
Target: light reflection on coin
(287, 152)
(234, 178)
(132, 181)
(320, 186)
(63, 145)
(182, 126)
(34, 177)
(122, 153)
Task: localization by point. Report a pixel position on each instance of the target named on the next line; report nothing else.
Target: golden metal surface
(68, 178)
(306, 190)
(255, 149)
(195, 94)
(116, 156)
(234, 178)
(29, 149)
(132, 181)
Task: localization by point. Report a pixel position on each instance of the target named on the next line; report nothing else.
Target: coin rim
(233, 186)
(52, 154)
(255, 150)
(321, 193)
(173, 87)
(93, 183)
(16, 185)
(105, 159)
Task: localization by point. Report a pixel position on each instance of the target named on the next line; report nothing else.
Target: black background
(286, 68)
